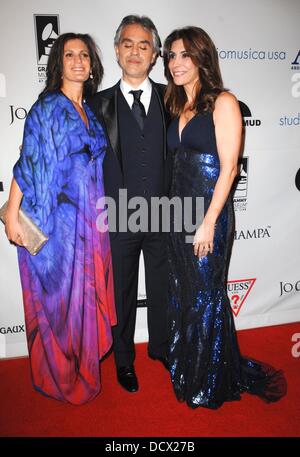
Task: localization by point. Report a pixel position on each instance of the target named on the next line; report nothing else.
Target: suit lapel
(110, 115)
(160, 96)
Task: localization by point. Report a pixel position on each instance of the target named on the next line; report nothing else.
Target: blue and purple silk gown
(68, 286)
(205, 363)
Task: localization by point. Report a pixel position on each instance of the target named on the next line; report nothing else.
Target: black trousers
(126, 249)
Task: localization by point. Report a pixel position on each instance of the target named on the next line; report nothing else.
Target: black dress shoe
(163, 360)
(127, 378)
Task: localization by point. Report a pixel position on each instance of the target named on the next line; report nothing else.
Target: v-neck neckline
(87, 126)
(180, 133)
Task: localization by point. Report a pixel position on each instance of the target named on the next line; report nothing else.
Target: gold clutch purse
(35, 238)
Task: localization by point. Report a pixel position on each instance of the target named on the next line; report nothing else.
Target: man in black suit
(132, 113)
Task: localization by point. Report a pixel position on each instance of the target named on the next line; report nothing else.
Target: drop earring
(91, 76)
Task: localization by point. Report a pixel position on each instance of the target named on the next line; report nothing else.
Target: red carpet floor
(154, 411)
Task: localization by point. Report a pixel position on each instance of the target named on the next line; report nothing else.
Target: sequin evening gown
(205, 363)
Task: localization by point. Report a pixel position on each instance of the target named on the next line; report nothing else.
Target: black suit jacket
(105, 107)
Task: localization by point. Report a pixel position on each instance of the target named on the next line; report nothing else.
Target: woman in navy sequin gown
(204, 137)
(58, 179)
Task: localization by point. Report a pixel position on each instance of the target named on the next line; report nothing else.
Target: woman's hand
(13, 229)
(204, 239)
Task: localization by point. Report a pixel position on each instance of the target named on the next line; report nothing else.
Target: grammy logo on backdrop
(46, 32)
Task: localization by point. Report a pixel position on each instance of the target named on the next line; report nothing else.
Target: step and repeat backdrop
(259, 50)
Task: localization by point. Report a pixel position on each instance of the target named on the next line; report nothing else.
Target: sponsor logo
(46, 32)
(289, 121)
(295, 64)
(247, 116)
(19, 113)
(295, 85)
(288, 287)
(237, 291)
(241, 186)
(251, 54)
(256, 234)
(13, 329)
(2, 86)
(296, 346)
(297, 179)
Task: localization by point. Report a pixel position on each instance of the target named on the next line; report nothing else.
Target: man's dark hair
(146, 23)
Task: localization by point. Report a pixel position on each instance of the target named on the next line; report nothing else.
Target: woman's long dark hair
(55, 64)
(204, 55)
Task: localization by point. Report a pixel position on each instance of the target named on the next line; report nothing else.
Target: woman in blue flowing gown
(68, 286)
(204, 137)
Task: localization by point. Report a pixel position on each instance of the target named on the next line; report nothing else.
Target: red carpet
(154, 411)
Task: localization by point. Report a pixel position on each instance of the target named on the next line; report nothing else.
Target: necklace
(80, 110)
